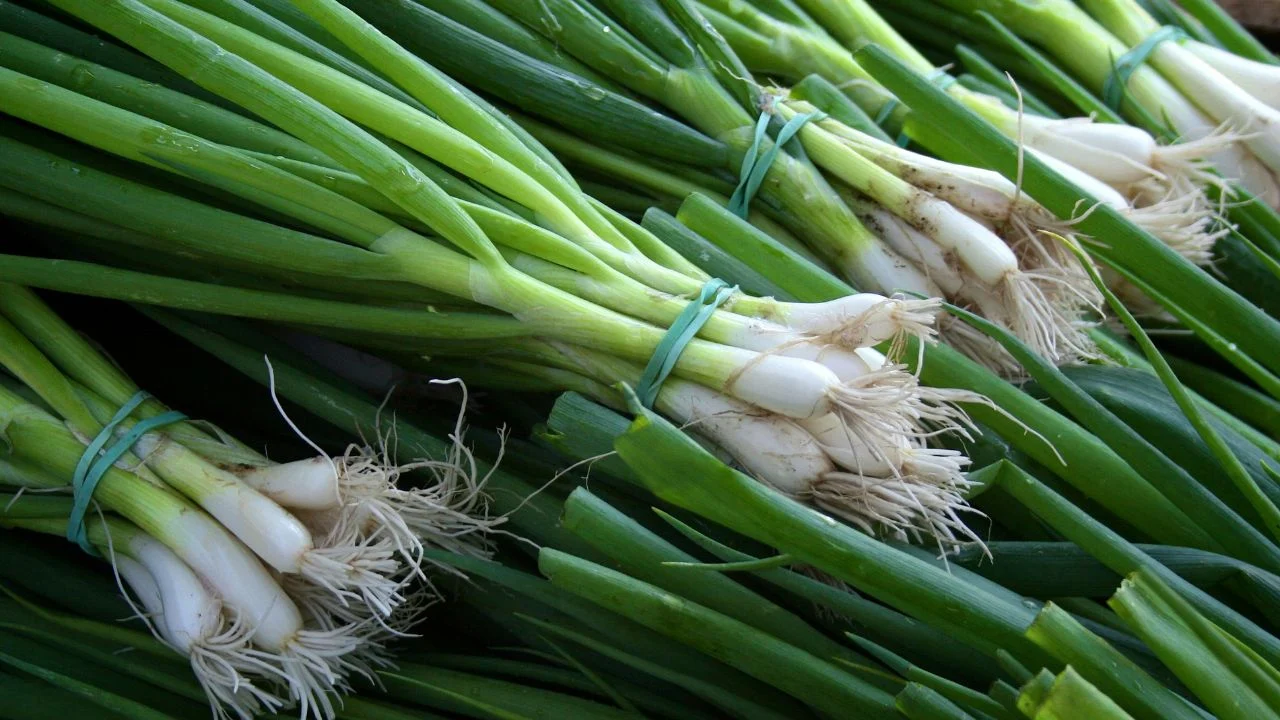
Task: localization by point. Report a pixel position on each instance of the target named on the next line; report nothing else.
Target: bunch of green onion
(1187, 90)
(882, 217)
(497, 226)
(280, 582)
(1159, 187)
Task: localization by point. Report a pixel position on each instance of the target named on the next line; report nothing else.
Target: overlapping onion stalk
(280, 581)
(559, 267)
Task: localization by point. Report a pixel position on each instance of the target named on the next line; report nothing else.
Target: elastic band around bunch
(685, 328)
(1113, 90)
(92, 466)
(755, 166)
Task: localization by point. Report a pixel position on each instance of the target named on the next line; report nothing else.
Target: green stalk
(1228, 30)
(635, 170)
(173, 223)
(643, 555)
(267, 96)
(822, 94)
(1229, 680)
(491, 23)
(147, 98)
(708, 256)
(856, 24)
(1121, 353)
(918, 702)
(722, 686)
(85, 238)
(1224, 524)
(468, 694)
(81, 362)
(559, 205)
(114, 130)
(1227, 459)
(1086, 101)
(59, 36)
(995, 78)
(1236, 397)
(99, 281)
(1084, 46)
(1108, 670)
(709, 692)
(259, 22)
(771, 661)
(577, 99)
(796, 53)
(435, 90)
(1249, 365)
(645, 698)
(114, 695)
(422, 260)
(801, 278)
(1047, 697)
(653, 449)
(1115, 552)
(696, 94)
(929, 648)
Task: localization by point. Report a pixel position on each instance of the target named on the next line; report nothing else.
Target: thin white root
(906, 507)
(889, 404)
(449, 512)
(353, 569)
(1185, 221)
(315, 667)
(1186, 163)
(233, 674)
(909, 317)
(1046, 304)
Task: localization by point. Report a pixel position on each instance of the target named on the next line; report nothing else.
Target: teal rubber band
(755, 166)
(738, 199)
(886, 110)
(1113, 90)
(942, 79)
(685, 328)
(93, 466)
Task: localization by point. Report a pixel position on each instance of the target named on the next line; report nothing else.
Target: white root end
(1045, 303)
(314, 667)
(234, 675)
(219, 652)
(903, 507)
(896, 320)
(889, 404)
(360, 570)
(1184, 220)
(1186, 163)
(370, 547)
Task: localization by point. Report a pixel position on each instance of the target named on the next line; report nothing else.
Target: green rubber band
(685, 328)
(1113, 90)
(755, 166)
(886, 110)
(92, 466)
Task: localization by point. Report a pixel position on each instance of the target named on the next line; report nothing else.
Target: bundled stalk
(559, 280)
(344, 553)
(1161, 188)
(1152, 95)
(178, 606)
(1047, 301)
